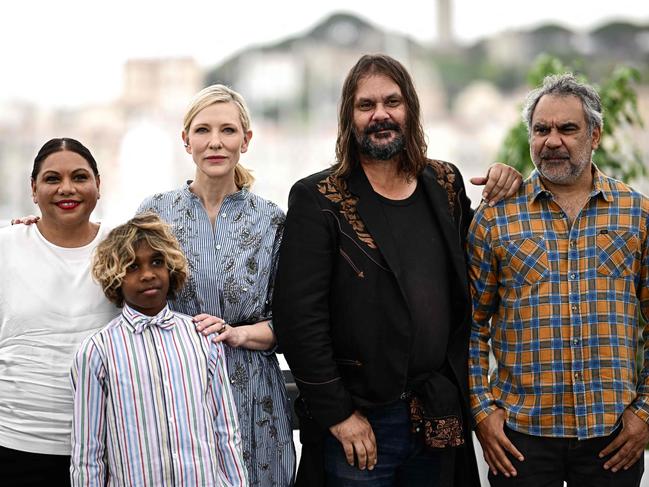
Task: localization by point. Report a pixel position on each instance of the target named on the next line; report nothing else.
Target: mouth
(151, 291)
(383, 130)
(67, 204)
(215, 158)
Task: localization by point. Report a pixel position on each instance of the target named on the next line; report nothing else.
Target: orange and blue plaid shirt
(558, 304)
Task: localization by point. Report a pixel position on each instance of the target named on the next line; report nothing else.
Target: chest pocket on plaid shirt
(525, 261)
(616, 252)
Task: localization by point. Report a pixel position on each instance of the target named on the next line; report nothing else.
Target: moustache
(554, 154)
(380, 126)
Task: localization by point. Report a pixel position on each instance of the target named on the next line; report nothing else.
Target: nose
(215, 142)
(380, 113)
(66, 186)
(146, 273)
(553, 140)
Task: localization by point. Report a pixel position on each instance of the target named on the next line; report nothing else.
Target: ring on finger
(223, 328)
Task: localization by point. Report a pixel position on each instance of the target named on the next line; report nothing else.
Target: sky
(71, 52)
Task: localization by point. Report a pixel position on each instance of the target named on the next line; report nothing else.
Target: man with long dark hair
(371, 306)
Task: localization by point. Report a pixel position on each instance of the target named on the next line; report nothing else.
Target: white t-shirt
(48, 305)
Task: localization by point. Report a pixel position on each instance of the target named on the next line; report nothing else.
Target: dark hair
(567, 85)
(414, 159)
(58, 145)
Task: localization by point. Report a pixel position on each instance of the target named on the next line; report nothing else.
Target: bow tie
(141, 323)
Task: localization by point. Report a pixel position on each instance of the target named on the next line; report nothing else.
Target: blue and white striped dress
(232, 266)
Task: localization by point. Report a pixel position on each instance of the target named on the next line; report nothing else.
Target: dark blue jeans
(551, 461)
(403, 459)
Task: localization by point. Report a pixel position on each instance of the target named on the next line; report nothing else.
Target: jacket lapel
(370, 211)
(438, 199)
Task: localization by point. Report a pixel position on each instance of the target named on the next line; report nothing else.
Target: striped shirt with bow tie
(153, 406)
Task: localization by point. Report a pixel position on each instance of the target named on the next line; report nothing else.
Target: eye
(541, 130)
(158, 262)
(200, 130)
(81, 177)
(131, 268)
(51, 179)
(229, 130)
(365, 105)
(393, 102)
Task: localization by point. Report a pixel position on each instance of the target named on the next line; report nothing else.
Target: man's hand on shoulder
(630, 443)
(490, 431)
(355, 435)
(501, 181)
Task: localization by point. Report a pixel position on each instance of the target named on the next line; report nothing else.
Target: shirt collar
(137, 322)
(600, 186)
(240, 195)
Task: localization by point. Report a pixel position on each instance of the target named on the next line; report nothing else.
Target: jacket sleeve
(301, 306)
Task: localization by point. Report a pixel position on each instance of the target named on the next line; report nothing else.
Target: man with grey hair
(558, 272)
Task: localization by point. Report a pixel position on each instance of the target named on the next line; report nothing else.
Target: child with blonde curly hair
(152, 403)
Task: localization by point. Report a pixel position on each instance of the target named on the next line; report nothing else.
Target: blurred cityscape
(470, 97)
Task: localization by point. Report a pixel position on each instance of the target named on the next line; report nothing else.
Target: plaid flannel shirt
(559, 303)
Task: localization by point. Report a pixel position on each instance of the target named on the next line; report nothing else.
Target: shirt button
(575, 341)
(218, 247)
(573, 244)
(577, 375)
(245, 289)
(223, 215)
(574, 307)
(573, 276)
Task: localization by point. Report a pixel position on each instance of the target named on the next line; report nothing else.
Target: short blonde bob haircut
(117, 251)
(243, 178)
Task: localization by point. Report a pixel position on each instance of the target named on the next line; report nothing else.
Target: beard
(381, 152)
(565, 172)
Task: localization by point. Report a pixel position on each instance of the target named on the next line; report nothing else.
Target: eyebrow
(386, 97)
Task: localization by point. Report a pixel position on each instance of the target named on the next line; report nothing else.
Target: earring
(186, 144)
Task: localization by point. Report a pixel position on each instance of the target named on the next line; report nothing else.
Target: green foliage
(617, 155)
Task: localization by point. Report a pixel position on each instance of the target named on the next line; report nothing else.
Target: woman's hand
(258, 336)
(25, 220)
(235, 336)
(208, 324)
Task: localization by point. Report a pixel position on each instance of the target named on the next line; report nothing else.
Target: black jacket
(339, 312)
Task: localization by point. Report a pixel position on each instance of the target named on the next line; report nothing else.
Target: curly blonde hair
(117, 251)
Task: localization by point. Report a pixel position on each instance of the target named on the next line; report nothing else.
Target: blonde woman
(231, 239)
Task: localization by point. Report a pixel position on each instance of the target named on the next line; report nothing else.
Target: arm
(253, 336)
(87, 462)
(301, 307)
(301, 319)
(483, 268)
(226, 423)
(501, 181)
(256, 336)
(629, 445)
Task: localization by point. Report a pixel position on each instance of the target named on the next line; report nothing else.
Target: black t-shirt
(423, 259)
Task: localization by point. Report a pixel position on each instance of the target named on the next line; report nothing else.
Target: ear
(98, 184)
(246, 141)
(188, 148)
(34, 199)
(597, 135)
